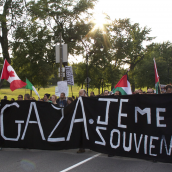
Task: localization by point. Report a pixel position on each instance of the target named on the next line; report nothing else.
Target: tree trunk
(4, 36)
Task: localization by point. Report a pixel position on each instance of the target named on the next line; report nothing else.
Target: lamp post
(87, 71)
(102, 85)
(61, 60)
(86, 47)
(101, 49)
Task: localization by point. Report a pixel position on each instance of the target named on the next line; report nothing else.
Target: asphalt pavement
(27, 160)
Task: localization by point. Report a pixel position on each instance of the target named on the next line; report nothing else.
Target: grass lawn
(51, 90)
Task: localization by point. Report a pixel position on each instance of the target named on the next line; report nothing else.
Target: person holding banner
(26, 97)
(62, 101)
(46, 98)
(106, 93)
(82, 93)
(92, 94)
(150, 91)
(54, 99)
(20, 97)
(168, 88)
(117, 93)
(69, 100)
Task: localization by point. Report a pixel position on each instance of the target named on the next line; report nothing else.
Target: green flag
(31, 87)
(29, 84)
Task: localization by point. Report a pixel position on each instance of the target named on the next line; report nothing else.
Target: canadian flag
(10, 75)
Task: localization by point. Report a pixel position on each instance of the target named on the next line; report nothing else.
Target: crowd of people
(64, 101)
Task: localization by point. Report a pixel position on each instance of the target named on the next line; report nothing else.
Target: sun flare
(99, 20)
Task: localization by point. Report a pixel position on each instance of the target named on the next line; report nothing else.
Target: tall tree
(33, 53)
(127, 43)
(144, 71)
(10, 16)
(65, 16)
(35, 39)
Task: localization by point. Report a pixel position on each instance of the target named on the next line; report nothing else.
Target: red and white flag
(10, 75)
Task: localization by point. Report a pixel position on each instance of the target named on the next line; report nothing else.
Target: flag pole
(159, 87)
(25, 87)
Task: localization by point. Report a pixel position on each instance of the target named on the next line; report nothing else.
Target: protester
(92, 94)
(33, 98)
(46, 97)
(140, 91)
(168, 88)
(117, 93)
(54, 99)
(69, 100)
(106, 93)
(5, 97)
(150, 91)
(82, 93)
(136, 92)
(62, 101)
(73, 97)
(12, 99)
(26, 97)
(20, 97)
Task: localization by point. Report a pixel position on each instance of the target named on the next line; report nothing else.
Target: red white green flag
(157, 83)
(10, 75)
(123, 86)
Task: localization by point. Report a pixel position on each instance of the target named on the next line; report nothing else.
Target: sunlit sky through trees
(155, 14)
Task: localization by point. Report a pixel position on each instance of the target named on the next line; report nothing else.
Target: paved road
(21, 160)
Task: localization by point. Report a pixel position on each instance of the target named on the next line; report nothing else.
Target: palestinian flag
(123, 86)
(31, 87)
(157, 83)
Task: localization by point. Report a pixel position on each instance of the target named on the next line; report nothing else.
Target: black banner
(138, 126)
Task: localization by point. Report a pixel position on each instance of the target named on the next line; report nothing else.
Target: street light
(102, 85)
(86, 47)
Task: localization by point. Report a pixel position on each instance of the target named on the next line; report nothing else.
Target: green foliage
(33, 54)
(110, 75)
(65, 16)
(144, 71)
(11, 12)
(79, 73)
(36, 28)
(127, 43)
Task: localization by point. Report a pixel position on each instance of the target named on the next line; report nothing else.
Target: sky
(155, 14)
